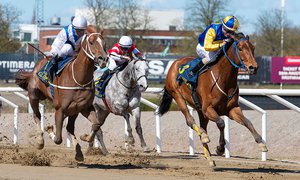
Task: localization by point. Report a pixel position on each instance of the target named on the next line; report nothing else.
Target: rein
(232, 62)
(235, 51)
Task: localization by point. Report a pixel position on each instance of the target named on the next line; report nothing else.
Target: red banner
(285, 69)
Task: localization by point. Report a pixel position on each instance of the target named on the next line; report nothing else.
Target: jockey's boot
(104, 76)
(43, 74)
(196, 69)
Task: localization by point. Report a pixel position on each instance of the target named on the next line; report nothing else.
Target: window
(16, 34)
(27, 37)
(50, 41)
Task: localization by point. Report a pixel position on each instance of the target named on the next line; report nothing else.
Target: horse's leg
(56, 137)
(221, 148)
(220, 124)
(101, 115)
(37, 118)
(189, 118)
(129, 140)
(136, 113)
(203, 124)
(237, 115)
(90, 114)
(70, 130)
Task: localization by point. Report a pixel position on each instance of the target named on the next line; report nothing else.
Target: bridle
(232, 62)
(135, 78)
(87, 50)
(235, 52)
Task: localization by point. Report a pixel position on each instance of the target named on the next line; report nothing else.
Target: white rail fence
(272, 93)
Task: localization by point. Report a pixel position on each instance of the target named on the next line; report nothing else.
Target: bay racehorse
(73, 89)
(216, 93)
(122, 97)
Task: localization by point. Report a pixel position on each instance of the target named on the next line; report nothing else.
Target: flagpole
(281, 39)
(282, 20)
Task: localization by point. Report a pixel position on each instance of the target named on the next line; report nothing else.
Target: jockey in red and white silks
(121, 52)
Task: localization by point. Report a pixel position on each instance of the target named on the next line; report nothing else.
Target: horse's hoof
(205, 139)
(220, 151)
(105, 152)
(49, 129)
(263, 147)
(40, 146)
(131, 140)
(212, 163)
(86, 138)
(146, 149)
(79, 154)
(79, 157)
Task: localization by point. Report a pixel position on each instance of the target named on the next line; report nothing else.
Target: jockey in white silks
(64, 44)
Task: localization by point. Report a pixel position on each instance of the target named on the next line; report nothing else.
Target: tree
(101, 11)
(201, 13)
(123, 15)
(8, 15)
(268, 33)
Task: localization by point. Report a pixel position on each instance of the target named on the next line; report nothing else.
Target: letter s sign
(156, 67)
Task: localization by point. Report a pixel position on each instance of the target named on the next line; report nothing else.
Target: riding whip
(37, 49)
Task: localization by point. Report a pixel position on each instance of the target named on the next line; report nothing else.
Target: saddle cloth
(56, 69)
(184, 70)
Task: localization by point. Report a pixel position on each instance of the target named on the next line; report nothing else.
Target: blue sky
(247, 10)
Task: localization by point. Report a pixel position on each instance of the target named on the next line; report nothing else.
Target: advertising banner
(285, 70)
(11, 63)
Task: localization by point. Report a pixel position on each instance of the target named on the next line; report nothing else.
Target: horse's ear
(91, 29)
(101, 31)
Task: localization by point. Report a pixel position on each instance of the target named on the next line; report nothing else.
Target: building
(166, 33)
(152, 41)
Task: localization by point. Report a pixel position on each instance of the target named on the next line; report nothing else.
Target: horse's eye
(240, 49)
(91, 43)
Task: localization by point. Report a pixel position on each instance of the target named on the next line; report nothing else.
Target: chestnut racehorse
(216, 93)
(73, 89)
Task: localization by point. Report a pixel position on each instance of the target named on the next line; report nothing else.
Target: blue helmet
(230, 23)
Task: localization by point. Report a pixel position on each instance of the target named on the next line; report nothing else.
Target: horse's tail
(165, 103)
(22, 78)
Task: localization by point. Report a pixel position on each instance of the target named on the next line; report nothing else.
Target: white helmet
(125, 42)
(79, 22)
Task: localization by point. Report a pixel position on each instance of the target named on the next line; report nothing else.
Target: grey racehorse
(123, 95)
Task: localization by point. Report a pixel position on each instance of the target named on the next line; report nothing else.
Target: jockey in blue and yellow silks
(212, 39)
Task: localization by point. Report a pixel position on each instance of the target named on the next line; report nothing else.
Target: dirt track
(173, 163)
(121, 165)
